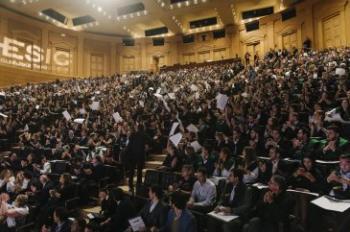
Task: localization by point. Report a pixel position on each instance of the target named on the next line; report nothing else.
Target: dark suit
(124, 211)
(65, 227)
(282, 168)
(135, 155)
(270, 217)
(240, 205)
(242, 200)
(45, 192)
(155, 218)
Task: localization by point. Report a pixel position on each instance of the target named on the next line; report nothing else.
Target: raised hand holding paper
(175, 139)
(66, 115)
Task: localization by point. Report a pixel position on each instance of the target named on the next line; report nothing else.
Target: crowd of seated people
(284, 125)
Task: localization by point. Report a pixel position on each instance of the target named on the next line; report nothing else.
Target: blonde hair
(21, 200)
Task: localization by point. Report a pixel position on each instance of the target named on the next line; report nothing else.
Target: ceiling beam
(156, 11)
(224, 10)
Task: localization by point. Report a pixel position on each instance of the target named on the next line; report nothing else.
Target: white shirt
(23, 211)
(46, 168)
(204, 194)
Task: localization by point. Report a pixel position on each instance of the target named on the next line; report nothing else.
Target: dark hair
(117, 194)
(67, 178)
(202, 170)
(277, 150)
(226, 151)
(238, 173)
(333, 128)
(61, 213)
(188, 167)
(345, 156)
(81, 223)
(157, 190)
(179, 200)
(250, 154)
(37, 185)
(281, 181)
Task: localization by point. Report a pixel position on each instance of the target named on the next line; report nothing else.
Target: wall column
(113, 58)
(144, 55)
(80, 54)
(45, 45)
(3, 26)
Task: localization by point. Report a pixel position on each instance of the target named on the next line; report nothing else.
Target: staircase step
(153, 164)
(160, 158)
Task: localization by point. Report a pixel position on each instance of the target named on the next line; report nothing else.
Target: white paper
(196, 146)
(175, 139)
(340, 71)
(192, 128)
(260, 186)
(66, 115)
(82, 111)
(327, 162)
(303, 192)
(194, 88)
(79, 120)
(173, 128)
(196, 95)
(330, 204)
(90, 216)
(137, 224)
(221, 101)
(157, 95)
(165, 105)
(171, 96)
(117, 117)
(95, 105)
(142, 104)
(245, 95)
(221, 216)
(207, 86)
(334, 116)
(3, 115)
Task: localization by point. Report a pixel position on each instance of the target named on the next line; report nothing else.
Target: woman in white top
(6, 178)
(20, 184)
(14, 213)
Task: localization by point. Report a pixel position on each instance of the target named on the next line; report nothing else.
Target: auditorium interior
(174, 115)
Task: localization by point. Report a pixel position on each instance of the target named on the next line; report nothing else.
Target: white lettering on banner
(34, 56)
(57, 58)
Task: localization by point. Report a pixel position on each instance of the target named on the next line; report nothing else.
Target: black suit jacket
(64, 228)
(282, 168)
(277, 212)
(157, 217)
(45, 192)
(123, 212)
(136, 147)
(242, 200)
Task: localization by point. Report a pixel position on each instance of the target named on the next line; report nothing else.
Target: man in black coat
(124, 210)
(135, 154)
(272, 211)
(236, 199)
(154, 213)
(62, 224)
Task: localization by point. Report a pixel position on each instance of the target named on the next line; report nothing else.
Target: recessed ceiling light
(63, 35)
